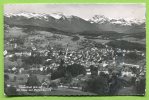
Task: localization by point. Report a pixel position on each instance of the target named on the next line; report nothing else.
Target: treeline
(34, 29)
(126, 45)
(103, 34)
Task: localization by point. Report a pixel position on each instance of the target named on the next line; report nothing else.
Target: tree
(19, 62)
(94, 70)
(116, 83)
(140, 86)
(60, 72)
(32, 81)
(76, 69)
(67, 78)
(97, 85)
(33, 59)
(75, 38)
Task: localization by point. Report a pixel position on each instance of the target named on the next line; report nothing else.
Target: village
(54, 68)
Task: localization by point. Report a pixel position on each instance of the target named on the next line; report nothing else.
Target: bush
(140, 86)
(75, 38)
(76, 70)
(58, 74)
(54, 85)
(67, 78)
(97, 85)
(33, 81)
(94, 70)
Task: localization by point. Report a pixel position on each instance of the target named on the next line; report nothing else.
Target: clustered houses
(126, 71)
(101, 58)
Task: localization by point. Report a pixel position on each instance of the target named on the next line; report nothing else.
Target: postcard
(74, 49)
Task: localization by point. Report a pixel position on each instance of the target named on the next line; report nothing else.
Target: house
(88, 72)
(129, 65)
(127, 73)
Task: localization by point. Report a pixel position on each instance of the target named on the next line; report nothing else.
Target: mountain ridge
(75, 24)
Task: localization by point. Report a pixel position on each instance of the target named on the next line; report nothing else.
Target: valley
(75, 56)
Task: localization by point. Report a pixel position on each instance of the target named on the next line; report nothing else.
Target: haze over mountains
(75, 24)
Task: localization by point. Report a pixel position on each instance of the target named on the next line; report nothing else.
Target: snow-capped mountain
(27, 15)
(56, 20)
(101, 19)
(119, 25)
(57, 15)
(73, 23)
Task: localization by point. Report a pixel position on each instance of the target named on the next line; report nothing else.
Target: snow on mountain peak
(101, 19)
(61, 15)
(28, 15)
(57, 15)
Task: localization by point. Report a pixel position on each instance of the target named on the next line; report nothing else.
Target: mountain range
(75, 24)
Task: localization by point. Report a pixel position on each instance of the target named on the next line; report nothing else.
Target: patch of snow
(56, 16)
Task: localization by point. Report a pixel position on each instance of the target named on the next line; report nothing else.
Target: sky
(85, 11)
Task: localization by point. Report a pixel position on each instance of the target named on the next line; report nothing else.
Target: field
(39, 52)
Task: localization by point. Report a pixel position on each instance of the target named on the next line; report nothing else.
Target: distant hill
(126, 45)
(75, 24)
